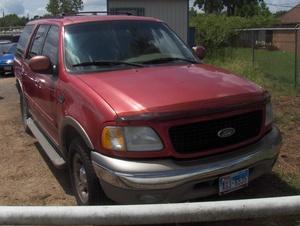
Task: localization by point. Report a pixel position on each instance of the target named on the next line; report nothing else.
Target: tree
(12, 20)
(53, 7)
(192, 11)
(210, 6)
(66, 6)
(77, 5)
(246, 8)
(56, 7)
(243, 8)
(280, 13)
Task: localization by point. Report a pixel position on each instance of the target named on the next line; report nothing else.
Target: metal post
(151, 214)
(253, 47)
(296, 56)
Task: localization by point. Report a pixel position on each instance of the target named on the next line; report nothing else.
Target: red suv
(135, 114)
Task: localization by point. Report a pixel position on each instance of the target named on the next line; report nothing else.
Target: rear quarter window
(24, 39)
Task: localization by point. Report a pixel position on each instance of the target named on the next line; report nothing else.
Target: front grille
(203, 136)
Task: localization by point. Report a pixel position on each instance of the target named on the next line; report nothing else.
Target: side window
(38, 41)
(51, 45)
(23, 40)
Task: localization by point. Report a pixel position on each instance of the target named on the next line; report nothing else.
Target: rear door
(19, 63)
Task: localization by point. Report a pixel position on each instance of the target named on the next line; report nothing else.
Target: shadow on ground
(61, 175)
(269, 185)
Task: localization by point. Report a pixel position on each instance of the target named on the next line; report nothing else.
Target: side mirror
(40, 64)
(199, 51)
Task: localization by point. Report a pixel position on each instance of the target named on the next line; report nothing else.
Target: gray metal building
(173, 12)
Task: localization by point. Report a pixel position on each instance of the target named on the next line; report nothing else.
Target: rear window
(23, 41)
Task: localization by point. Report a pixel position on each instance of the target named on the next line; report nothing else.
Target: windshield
(4, 47)
(113, 45)
(12, 49)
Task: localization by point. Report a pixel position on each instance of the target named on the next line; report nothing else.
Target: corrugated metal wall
(173, 12)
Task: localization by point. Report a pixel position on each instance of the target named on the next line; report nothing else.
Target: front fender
(67, 122)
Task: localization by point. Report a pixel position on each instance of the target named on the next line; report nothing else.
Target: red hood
(171, 88)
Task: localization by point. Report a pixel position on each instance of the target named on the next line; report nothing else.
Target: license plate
(7, 68)
(233, 181)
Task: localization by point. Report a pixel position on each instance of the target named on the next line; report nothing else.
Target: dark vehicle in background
(7, 57)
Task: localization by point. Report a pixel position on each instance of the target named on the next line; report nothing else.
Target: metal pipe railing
(151, 214)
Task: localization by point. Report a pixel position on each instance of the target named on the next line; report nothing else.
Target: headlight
(130, 139)
(269, 114)
(9, 61)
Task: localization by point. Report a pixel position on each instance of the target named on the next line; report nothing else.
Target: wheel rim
(80, 179)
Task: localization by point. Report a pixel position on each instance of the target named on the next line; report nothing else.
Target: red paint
(169, 95)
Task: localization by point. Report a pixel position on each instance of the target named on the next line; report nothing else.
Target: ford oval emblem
(227, 132)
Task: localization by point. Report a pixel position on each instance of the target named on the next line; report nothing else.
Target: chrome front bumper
(140, 176)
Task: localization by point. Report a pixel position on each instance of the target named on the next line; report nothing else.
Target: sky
(37, 7)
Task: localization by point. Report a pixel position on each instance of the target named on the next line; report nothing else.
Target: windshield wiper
(168, 59)
(105, 63)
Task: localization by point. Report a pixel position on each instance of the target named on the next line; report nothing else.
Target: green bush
(217, 31)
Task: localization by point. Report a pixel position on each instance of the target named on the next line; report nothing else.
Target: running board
(55, 158)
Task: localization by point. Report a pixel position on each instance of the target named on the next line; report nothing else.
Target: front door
(45, 84)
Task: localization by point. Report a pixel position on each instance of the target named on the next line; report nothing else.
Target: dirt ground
(28, 178)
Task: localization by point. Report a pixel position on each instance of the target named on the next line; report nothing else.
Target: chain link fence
(274, 52)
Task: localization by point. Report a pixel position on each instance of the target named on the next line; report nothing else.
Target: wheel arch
(71, 128)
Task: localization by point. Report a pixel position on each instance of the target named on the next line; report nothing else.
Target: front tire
(84, 181)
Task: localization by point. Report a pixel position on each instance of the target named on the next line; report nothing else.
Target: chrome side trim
(20, 84)
(55, 158)
(162, 174)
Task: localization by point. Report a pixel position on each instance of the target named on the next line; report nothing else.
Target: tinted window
(4, 48)
(38, 41)
(51, 45)
(12, 49)
(24, 38)
(129, 41)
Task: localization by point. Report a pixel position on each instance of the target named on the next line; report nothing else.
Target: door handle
(22, 71)
(38, 84)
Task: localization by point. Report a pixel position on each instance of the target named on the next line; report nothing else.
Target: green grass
(272, 69)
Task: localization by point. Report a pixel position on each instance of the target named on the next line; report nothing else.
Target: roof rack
(98, 12)
(62, 15)
(48, 17)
